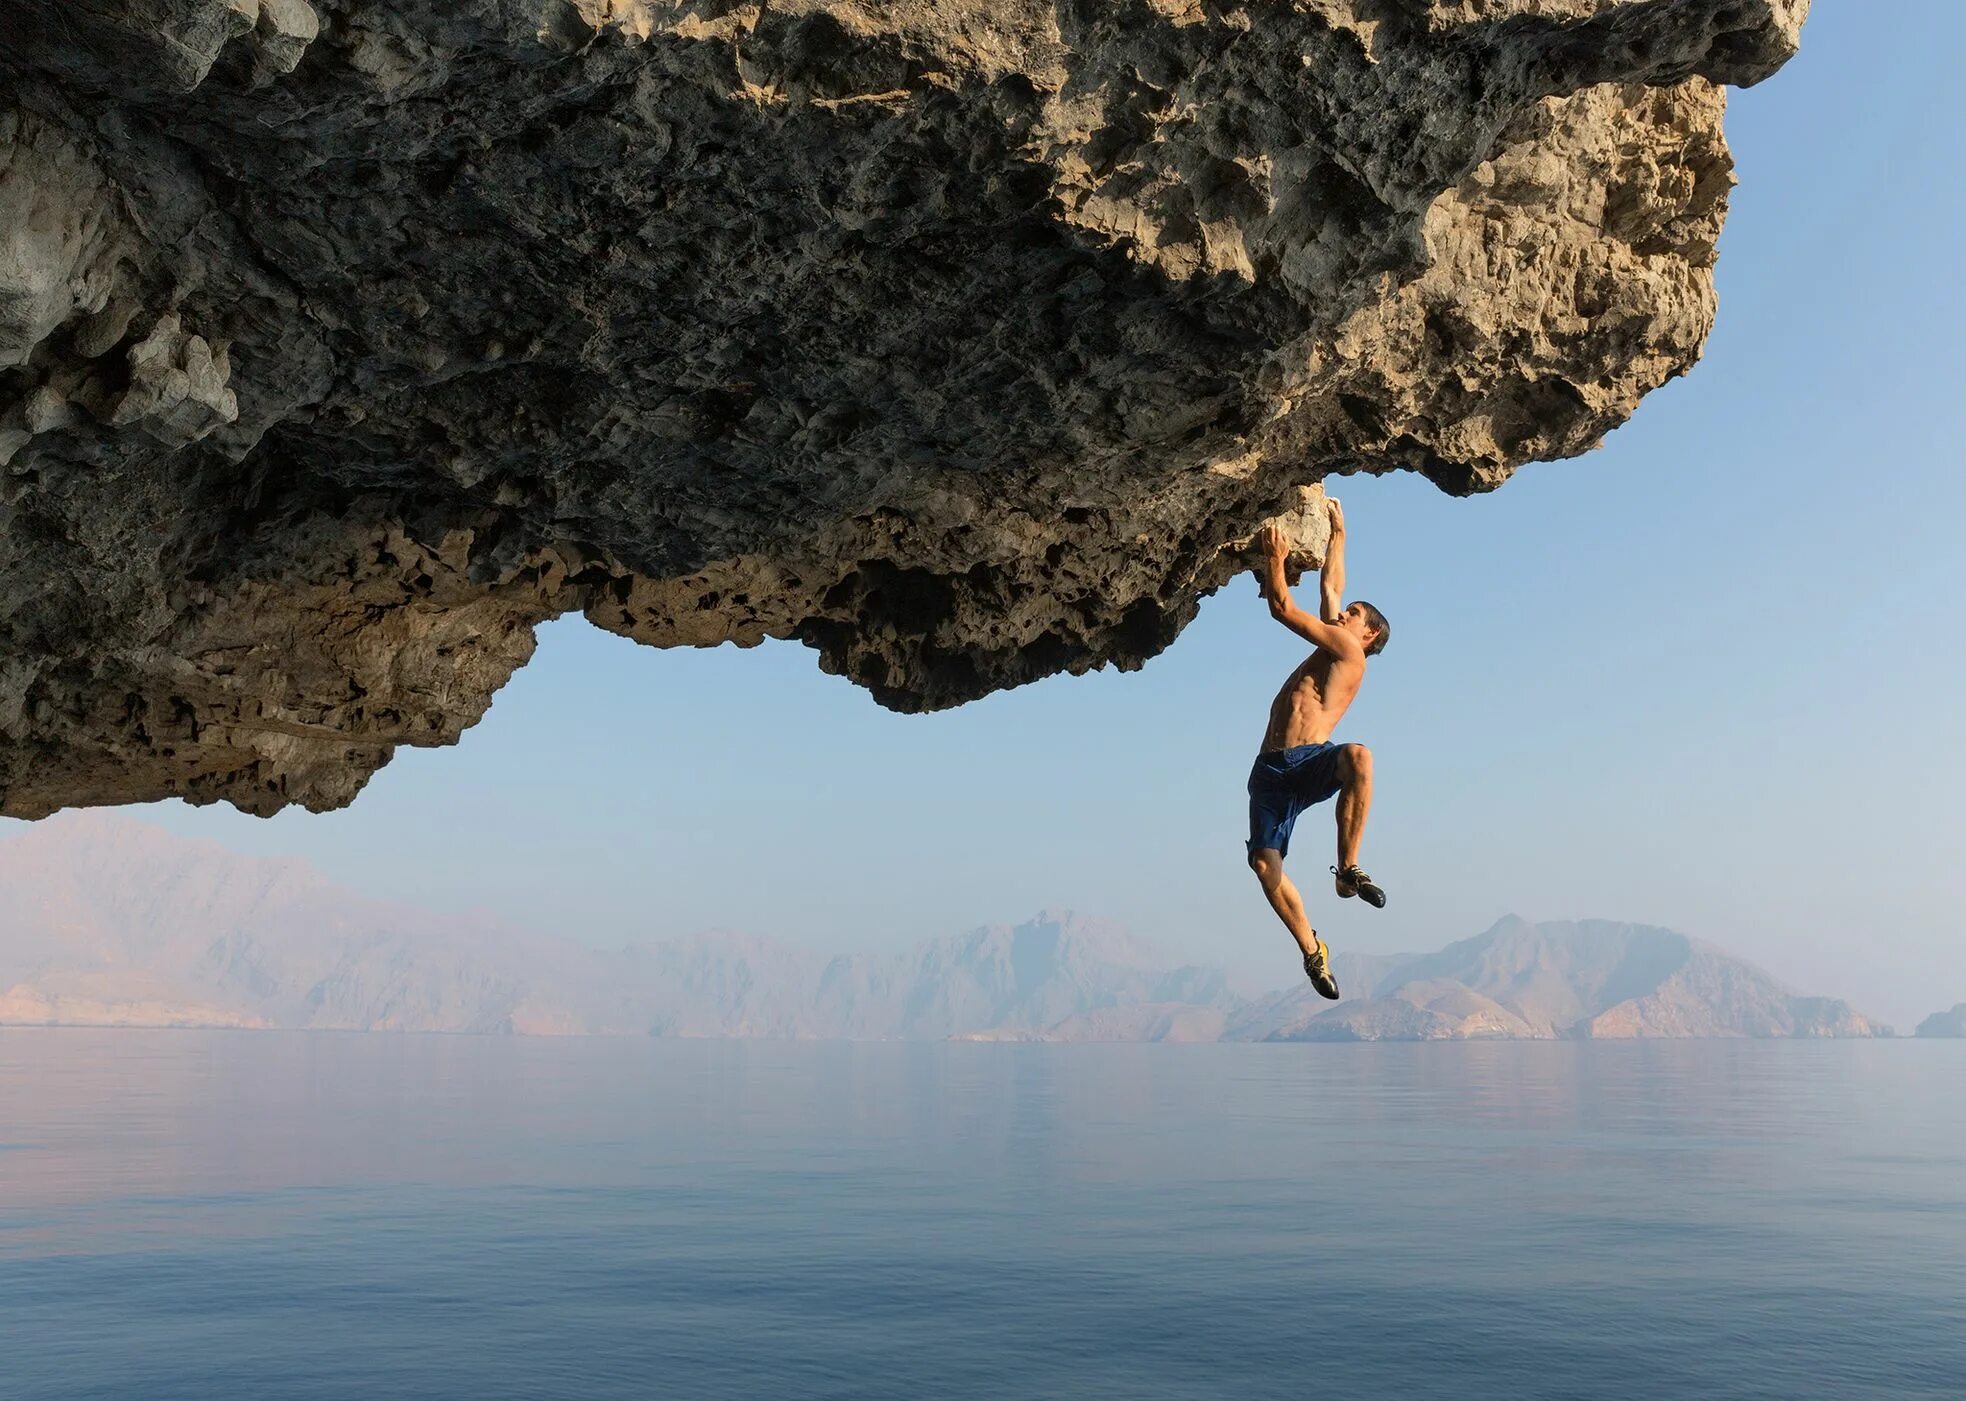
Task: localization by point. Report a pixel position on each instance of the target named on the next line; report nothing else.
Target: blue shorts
(1282, 783)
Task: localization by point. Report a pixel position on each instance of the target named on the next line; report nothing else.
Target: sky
(1708, 676)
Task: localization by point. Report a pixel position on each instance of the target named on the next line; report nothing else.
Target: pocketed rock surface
(342, 343)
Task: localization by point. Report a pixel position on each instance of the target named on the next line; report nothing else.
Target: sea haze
(194, 1214)
(115, 923)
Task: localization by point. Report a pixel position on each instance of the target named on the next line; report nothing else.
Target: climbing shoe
(1317, 967)
(1352, 881)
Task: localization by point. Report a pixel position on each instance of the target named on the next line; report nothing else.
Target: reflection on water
(185, 1213)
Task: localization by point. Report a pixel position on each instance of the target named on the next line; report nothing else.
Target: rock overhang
(964, 340)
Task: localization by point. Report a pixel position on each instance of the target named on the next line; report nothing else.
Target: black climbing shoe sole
(1359, 884)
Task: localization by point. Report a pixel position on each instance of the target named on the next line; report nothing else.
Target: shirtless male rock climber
(1300, 767)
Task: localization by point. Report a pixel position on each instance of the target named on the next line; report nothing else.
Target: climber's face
(1367, 624)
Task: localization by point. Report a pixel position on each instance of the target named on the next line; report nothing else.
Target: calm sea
(220, 1215)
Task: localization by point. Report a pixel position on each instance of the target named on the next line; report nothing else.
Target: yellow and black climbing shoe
(1352, 881)
(1317, 967)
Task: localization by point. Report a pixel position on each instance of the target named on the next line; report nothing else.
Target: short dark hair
(1377, 621)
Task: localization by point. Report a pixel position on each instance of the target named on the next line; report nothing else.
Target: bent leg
(1354, 800)
(1283, 897)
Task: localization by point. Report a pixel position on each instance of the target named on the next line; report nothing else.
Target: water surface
(271, 1215)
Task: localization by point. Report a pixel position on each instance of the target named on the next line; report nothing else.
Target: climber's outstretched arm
(1331, 583)
(1313, 630)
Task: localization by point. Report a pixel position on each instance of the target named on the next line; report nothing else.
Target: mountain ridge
(116, 922)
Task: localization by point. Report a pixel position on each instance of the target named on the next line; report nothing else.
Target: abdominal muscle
(1311, 703)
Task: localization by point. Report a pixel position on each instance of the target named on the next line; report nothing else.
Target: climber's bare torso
(1313, 700)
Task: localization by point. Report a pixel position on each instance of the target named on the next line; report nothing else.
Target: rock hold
(177, 387)
(963, 341)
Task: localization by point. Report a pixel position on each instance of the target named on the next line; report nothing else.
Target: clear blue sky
(1709, 676)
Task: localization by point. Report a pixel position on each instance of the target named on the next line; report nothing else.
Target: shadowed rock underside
(963, 340)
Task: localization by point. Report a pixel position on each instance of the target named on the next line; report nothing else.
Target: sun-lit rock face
(342, 343)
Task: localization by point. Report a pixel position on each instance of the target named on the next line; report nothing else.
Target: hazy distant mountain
(1585, 979)
(1951, 1023)
(107, 921)
(113, 922)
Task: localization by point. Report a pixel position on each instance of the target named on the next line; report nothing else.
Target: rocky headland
(1952, 1023)
(341, 343)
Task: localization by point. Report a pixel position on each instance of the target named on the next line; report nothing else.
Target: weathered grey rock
(342, 343)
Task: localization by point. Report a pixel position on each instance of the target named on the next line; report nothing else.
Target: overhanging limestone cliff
(342, 343)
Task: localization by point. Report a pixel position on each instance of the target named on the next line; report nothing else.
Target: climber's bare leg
(1283, 897)
(1354, 801)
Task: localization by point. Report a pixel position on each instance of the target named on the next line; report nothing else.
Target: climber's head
(1368, 625)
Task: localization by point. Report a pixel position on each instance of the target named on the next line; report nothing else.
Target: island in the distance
(1952, 1023)
(112, 922)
